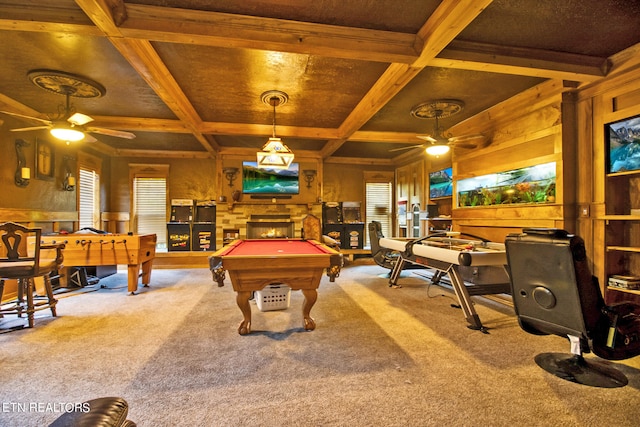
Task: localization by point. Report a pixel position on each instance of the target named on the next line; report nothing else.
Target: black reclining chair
(384, 257)
(554, 293)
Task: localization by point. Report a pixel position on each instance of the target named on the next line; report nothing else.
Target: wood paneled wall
(614, 99)
(534, 127)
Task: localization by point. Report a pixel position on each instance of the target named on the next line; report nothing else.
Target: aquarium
(533, 184)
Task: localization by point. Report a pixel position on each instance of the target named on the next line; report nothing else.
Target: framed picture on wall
(45, 160)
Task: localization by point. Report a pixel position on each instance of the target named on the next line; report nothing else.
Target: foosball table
(136, 251)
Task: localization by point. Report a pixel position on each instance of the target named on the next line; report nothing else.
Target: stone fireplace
(270, 226)
(245, 219)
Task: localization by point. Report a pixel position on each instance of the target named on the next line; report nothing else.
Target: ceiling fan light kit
(439, 143)
(437, 149)
(66, 133)
(69, 127)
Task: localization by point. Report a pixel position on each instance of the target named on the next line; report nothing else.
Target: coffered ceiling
(186, 76)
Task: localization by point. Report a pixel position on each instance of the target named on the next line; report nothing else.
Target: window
(150, 201)
(88, 190)
(378, 188)
(88, 198)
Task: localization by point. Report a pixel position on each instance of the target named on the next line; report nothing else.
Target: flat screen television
(257, 180)
(623, 145)
(441, 183)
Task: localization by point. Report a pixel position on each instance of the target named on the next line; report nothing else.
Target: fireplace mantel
(238, 215)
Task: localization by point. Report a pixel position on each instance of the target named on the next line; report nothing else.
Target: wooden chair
(312, 231)
(20, 250)
(312, 228)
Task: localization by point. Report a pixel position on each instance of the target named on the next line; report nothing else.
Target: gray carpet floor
(378, 357)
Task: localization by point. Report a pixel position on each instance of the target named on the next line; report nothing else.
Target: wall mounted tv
(623, 145)
(441, 183)
(257, 180)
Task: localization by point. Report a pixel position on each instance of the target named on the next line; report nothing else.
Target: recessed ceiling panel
(224, 85)
(477, 90)
(386, 15)
(127, 94)
(587, 27)
(154, 141)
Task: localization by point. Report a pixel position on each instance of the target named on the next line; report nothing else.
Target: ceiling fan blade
(79, 119)
(465, 145)
(89, 138)
(406, 148)
(30, 128)
(427, 138)
(465, 137)
(112, 132)
(22, 116)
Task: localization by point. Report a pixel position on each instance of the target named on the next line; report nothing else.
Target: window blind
(88, 203)
(150, 201)
(378, 196)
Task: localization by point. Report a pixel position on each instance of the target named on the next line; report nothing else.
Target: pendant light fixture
(274, 154)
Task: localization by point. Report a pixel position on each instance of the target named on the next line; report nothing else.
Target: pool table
(256, 263)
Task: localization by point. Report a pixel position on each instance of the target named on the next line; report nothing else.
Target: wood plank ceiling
(186, 76)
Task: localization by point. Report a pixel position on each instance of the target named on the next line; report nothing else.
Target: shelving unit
(438, 224)
(622, 229)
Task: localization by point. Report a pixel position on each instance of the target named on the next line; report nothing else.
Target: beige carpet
(379, 357)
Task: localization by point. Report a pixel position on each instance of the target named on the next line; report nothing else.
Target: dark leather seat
(384, 257)
(101, 412)
(554, 293)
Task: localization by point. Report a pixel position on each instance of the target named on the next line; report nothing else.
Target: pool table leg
(242, 299)
(310, 297)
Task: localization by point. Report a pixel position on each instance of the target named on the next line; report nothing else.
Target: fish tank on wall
(533, 184)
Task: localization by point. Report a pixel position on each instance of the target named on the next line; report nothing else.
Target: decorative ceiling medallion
(274, 98)
(439, 108)
(66, 84)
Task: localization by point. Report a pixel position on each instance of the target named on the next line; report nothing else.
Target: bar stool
(20, 260)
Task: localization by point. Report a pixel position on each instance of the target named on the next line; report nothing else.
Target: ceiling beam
(103, 14)
(169, 154)
(248, 32)
(444, 25)
(520, 61)
(447, 21)
(13, 106)
(266, 130)
(173, 25)
(146, 61)
(382, 136)
(143, 124)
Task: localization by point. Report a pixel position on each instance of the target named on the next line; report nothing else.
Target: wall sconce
(230, 174)
(309, 176)
(23, 173)
(69, 182)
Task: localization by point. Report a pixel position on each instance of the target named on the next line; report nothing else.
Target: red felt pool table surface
(259, 247)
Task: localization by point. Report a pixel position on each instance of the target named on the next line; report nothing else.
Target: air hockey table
(447, 253)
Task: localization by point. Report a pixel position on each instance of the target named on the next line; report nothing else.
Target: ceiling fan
(438, 143)
(69, 125)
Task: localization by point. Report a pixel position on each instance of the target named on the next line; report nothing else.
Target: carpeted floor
(379, 357)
